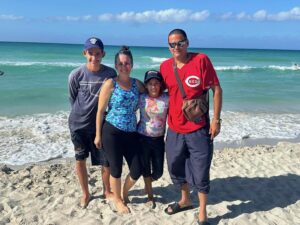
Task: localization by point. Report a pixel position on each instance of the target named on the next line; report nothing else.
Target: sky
(259, 24)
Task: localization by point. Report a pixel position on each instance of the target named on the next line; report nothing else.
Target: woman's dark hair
(178, 31)
(124, 51)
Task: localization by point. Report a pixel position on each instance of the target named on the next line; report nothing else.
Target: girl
(153, 107)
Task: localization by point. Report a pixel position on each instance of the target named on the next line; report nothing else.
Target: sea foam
(37, 63)
(151, 62)
(34, 138)
(42, 137)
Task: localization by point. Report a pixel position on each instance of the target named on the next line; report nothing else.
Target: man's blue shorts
(189, 158)
(83, 142)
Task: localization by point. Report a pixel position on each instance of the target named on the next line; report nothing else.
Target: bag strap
(184, 95)
(178, 81)
(180, 84)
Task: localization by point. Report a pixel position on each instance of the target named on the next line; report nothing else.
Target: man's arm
(215, 125)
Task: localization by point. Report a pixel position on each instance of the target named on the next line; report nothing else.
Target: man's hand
(215, 128)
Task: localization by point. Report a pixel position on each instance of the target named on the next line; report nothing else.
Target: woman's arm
(140, 86)
(104, 96)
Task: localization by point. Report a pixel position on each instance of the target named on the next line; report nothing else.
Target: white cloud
(263, 15)
(72, 18)
(242, 16)
(11, 17)
(162, 16)
(126, 16)
(200, 16)
(260, 15)
(171, 15)
(87, 18)
(106, 17)
(293, 14)
(181, 15)
(226, 16)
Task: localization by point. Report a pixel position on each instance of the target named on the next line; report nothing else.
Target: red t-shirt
(196, 76)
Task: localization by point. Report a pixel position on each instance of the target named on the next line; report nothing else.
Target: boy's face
(94, 56)
(153, 87)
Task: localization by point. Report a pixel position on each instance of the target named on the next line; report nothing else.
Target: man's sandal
(175, 207)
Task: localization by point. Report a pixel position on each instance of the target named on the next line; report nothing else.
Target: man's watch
(218, 121)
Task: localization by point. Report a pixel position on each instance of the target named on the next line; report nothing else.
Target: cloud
(242, 16)
(260, 15)
(200, 16)
(293, 14)
(106, 17)
(161, 16)
(11, 17)
(263, 15)
(226, 16)
(71, 18)
(183, 15)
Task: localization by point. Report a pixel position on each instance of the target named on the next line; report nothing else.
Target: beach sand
(249, 185)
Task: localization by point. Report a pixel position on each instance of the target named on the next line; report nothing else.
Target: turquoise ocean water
(261, 94)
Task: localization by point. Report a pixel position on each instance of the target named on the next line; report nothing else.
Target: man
(84, 86)
(189, 145)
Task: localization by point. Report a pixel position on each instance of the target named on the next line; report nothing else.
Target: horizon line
(141, 46)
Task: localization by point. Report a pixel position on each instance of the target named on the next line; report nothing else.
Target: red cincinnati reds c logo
(192, 81)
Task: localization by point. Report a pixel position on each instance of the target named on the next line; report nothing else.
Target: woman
(117, 132)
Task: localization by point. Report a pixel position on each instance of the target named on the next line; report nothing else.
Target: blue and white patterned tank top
(122, 107)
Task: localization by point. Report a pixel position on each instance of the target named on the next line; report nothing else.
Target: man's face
(178, 45)
(94, 56)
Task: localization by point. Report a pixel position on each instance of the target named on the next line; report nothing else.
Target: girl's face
(124, 64)
(153, 87)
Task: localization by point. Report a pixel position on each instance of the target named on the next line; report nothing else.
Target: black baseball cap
(152, 74)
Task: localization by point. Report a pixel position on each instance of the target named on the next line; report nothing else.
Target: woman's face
(124, 64)
(153, 87)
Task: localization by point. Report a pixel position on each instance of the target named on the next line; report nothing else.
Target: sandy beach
(249, 185)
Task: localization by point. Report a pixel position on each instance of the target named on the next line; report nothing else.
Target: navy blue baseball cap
(93, 42)
(152, 74)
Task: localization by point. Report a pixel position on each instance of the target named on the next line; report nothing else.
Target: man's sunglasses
(179, 44)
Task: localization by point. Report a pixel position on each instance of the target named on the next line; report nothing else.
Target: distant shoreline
(164, 47)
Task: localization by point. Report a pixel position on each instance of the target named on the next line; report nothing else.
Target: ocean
(260, 95)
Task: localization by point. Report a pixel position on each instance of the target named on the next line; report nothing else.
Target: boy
(84, 86)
